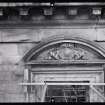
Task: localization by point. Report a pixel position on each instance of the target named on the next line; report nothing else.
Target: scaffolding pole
(103, 97)
(32, 84)
(45, 84)
(44, 92)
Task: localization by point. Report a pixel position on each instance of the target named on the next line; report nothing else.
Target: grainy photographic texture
(52, 52)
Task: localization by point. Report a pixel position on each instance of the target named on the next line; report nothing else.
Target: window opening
(67, 93)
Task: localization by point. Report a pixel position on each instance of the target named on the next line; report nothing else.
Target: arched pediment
(65, 48)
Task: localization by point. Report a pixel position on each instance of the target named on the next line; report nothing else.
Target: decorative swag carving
(66, 51)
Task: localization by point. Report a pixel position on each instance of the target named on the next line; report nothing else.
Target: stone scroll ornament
(67, 51)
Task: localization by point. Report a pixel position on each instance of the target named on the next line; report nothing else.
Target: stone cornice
(49, 11)
(54, 24)
(14, 4)
(57, 62)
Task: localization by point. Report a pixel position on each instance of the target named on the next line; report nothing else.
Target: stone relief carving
(66, 51)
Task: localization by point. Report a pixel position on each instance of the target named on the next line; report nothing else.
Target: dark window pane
(73, 93)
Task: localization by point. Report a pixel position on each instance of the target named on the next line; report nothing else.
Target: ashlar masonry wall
(16, 42)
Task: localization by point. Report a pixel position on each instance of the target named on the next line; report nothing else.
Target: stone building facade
(61, 44)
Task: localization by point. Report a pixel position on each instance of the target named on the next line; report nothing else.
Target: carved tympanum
(67, 52)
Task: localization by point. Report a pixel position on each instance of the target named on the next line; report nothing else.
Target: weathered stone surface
(13, 88)
(21, 35)
(2, 97)
(12, 53)
(10, 91)
(23, 48)
(5, 75)
(102, 44)
(9, 53)
(100, 34)
(16, 35)
(14, 97)
(0, 59)
(17, 51)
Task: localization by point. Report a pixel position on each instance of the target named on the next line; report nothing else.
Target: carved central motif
(66, 51)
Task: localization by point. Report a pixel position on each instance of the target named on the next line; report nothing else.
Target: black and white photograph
(52, 51)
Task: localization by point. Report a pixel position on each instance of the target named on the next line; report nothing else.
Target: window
(67, 93)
